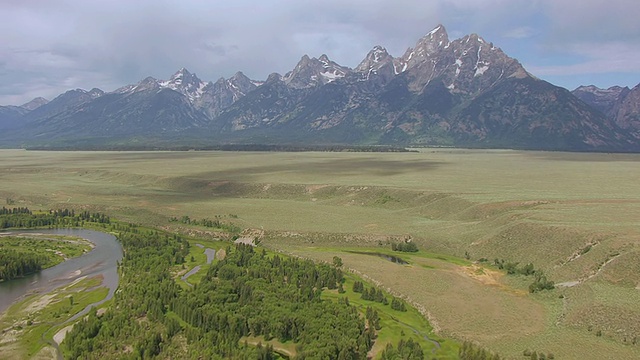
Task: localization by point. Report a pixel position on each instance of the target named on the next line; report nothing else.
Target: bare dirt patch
(250, 237)
(39, 304)
(487, 277)
(60, 335)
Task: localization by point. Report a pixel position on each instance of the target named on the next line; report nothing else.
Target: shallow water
(101, 260)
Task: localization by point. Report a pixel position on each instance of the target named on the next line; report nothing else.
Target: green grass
(396, 325)
(199, 258)
(539, 207)
(33, 338)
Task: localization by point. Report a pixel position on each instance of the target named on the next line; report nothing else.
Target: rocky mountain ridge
(465, 92)
(620, 104)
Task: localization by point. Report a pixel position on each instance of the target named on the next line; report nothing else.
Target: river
(101, 260)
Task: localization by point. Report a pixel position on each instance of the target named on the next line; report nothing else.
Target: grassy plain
(573, 215)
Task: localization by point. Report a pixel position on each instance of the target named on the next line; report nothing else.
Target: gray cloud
(50, 46)
(522, 32)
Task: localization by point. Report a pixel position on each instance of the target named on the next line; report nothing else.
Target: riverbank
(48, 249)
(34, 308)
(27, 327)
(101, 260)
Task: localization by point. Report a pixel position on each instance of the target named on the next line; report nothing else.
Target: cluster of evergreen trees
(373, 294)
(14, 211)
(373, 319)
(397, 304)
(138, 319)
(25, 218)
(209, 223)
(406, 246)
(250, 293)
(406, 350)
(14, 264)
(540, 281)
(470, 351)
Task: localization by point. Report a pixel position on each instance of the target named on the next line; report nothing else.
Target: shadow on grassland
(325, 169)
(583, 157)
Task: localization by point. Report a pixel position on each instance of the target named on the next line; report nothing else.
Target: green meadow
(572, 215)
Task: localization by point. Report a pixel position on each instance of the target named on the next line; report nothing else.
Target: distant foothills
(462, 93)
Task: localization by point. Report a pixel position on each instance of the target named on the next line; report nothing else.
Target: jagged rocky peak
(311, 72)
(34, 104)
(148, 83)
(378, 64)
(324, 59)
(238, 85)
(612, 92)
(75, 93)
(184, 82)
(332, 70)
(241, 81)
(180, 75)
(273, 77)
(437, 36)
(611, 102)
(481, 58)
(428, 46)
(376, 58)
(95, 93)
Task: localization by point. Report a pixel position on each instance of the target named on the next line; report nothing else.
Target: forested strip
(25, 218)
(247, 293)
(14, 264)
(250, 293)
(136, 325)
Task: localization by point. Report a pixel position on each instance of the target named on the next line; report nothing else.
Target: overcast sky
(50, 46)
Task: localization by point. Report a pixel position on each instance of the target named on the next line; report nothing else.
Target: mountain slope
(620, 104)
(11, 117)
(141, 113)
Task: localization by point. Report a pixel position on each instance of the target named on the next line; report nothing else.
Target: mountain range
(466, 92)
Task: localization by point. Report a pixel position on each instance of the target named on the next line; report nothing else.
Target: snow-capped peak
(324, 59)
(379, 53)
(428, 46)
(376, 58)
(438, 34)
(185, 83)
(311, 72)
(435, 30)
(95, 93)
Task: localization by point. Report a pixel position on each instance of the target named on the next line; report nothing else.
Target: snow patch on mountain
(480, 70)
